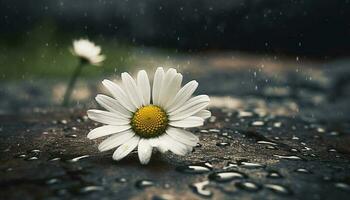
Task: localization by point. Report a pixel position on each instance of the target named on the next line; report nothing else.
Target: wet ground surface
(274, 134)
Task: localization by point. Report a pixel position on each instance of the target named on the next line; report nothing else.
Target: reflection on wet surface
(285, 137)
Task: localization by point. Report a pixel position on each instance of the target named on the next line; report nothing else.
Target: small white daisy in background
(144, 116)
(88, 51)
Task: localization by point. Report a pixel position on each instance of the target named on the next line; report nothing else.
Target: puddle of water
(200, 188)
(195, 169)
(288, 157)
(274, 174)
(226, 176)
(248, 186)
(278, 189)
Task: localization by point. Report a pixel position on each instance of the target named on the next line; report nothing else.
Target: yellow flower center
(149, 121)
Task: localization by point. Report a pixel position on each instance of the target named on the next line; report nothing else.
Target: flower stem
(71, 84)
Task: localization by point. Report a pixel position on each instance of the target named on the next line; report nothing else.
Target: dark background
(316, 28)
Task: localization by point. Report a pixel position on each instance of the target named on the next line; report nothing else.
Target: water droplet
(120, 180)
(32, 158)
(277, 124)
(248, 186)
(304, 171)
(295, 137)
(35, 151)
(201, 189)
(214, 130)
(244, 114)
(141, 184)
(71, 135)
(20, 156)
(224, 134)
(334, 133)
(209, 165)
(63, 121)
(222, 144)
(55, 159)
(266, 142)
(52, 181)
(332, 150)
(320, 130)
(258, 123)
(250, 165)
(9, 169)
(271, 147)
(288, 157)
(278, 189)
(230, 165)
(312, 155)
(91, 188)
(274, 174)
(226, 176)
(343, 186)
(78, 158)
(294, 150)
(194, 169)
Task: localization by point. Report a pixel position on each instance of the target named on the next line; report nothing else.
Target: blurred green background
(44, 52)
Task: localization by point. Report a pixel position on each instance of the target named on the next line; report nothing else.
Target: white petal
(190, 108)
(182, 96)
(119, 94)
(126, 148)
(97, 60)
(205, 114)
(106, 130)
(166, 85)
(183, 136)
(173, 145)
(188, 122)
(157, 143)
(157, 81)
(173, 89)
(144, 150)
(116, 140)
(144, 86)
(153, 141)
(162, 144)
(106, 117)
(112, 105)
(132, 90)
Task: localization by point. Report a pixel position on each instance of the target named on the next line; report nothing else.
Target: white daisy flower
(88, 51)
(137, 117)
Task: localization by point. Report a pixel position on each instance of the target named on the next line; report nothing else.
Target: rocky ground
(276, 133)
